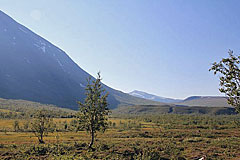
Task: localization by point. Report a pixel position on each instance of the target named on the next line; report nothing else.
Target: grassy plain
(143, 137)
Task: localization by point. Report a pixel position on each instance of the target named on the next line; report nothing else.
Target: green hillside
(22, 108)
(172, 109)
(207, 101)
(27, 107)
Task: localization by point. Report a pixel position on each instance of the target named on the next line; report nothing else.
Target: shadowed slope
(31, 68)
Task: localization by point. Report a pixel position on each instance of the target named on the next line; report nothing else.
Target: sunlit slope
(171, 109)
(208, 101)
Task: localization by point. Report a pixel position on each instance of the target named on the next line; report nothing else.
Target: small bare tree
(41, 125)
(16, 126)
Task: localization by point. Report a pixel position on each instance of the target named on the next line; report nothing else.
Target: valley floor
(156, 137)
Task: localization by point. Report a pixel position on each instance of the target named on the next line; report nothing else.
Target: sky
(163, 47)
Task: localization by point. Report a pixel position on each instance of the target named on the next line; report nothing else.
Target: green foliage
(26, 126)
(93, 113)
(16, 126)
(228, 69)
(22, 109)
(42, 125)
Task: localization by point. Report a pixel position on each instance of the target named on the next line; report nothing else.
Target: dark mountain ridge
(31, 68)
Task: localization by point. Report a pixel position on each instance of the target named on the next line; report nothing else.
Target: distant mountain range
(211, 105)
(32, 68)
(205, 101)
(152, 97)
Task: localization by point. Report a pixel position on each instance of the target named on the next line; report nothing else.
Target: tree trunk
(41, 139)
(92, 140)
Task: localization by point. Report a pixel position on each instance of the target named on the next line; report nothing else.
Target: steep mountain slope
(31, 68)
(208, 101)
(152, 97)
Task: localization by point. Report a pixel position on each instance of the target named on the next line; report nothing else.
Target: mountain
(32, 68)
(203, 101)
(152, 97)
(208, 101)
(211, 105)
(27, 107)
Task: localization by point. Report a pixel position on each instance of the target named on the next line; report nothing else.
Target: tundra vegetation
(166, 136)
(28, 132)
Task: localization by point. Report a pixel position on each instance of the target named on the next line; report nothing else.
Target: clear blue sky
(164, 47)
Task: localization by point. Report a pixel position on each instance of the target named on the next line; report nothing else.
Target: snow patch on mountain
(41, 45)
(22, 30)
(43, 49)
(60, 64)
(137, 95)
(152, 97)
(82, 85)
(27, 60)
(36, 45)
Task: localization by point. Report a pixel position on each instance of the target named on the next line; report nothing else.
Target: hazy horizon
(163, 48)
